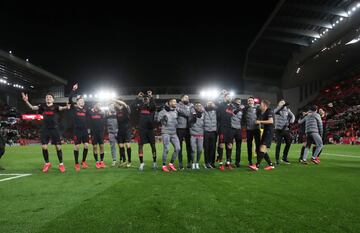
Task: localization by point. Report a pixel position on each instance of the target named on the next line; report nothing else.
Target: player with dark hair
(49, 129)
(210, 134)
(97, 128)
(145, 106)
(225, 112)
(252, 129)
(112, 129)
(236, 129)
(124, 131)
(283, 118)
(196, 124)
(183, 132)
(168, 119)
(314, 132)
(81, 134)
(265, 118)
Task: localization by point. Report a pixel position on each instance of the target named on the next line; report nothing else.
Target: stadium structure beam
(307, 21)
(288, 40)
(300, 32)
(337, 11)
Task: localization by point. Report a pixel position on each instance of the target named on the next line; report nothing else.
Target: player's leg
(199, 150)
(249, 142)
(319, 145)
(112, 141)
(206, 149)
(45, 138)
(85, 140)
(181, 136)
(151, 139)
(238, 141)
(56, 141)
(128, 147)
(212, 149)
(176, 144)
(279, 137)
(166, 144)
(188, 144)
(309, 141)
(193, 149)
(288, 140)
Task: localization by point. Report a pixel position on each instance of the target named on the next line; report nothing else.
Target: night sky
(128, 46)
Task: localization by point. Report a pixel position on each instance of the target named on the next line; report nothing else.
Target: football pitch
(290, 198)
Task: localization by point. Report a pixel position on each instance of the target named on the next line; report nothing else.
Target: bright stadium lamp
(232, 94)
(90, 96)
(85, 96)
(113, 95)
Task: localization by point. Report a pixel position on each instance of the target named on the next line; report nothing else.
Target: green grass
(291, 198)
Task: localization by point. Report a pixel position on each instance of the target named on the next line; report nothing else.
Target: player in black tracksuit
(79, 114)
(49, 129)
(265, 118)
(145, 106)
(124, 131)
(225, 112)
(97, 126)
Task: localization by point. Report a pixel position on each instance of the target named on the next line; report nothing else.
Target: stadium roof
(15, 71)
(296, 31)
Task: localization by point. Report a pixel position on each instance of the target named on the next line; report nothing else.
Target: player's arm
(26, 100)
(319, 123)
(292, 117)
(72, 94)
(267, 122)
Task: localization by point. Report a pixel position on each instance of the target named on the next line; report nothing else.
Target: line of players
(201, 127)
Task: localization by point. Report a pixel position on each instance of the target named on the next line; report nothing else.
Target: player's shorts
(266, 138)
(81, 136)
(124, 135)
(97, 137)
(226, 135)
(47, 134)
(147, 136)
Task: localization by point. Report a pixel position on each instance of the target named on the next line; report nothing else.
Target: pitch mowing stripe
(341, 155)
(15, 176)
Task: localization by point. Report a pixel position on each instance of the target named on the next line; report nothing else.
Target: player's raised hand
(24, 97)
(75, 87)
(140, 94)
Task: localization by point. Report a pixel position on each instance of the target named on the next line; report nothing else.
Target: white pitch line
(14, 176)
(340, 155)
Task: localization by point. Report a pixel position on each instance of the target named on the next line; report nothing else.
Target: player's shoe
(154, 166)
(197, 166)
(221, 167)
(46, 167)
(318, 159)
(98, 164)
(102, 164)
(193, 166)
(229, 166)
(188, 165)
(285, 161)
(254, 167)
(165, 169)
(172, 167)
(181, 167)
(84, 165)
(113, 164)
(128, 165)
(314, 161)
(267, 168)
(277, 162)
(62, 168)
(141, 167)
(77, 167)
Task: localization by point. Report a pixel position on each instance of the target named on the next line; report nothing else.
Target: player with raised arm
(49, 129)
